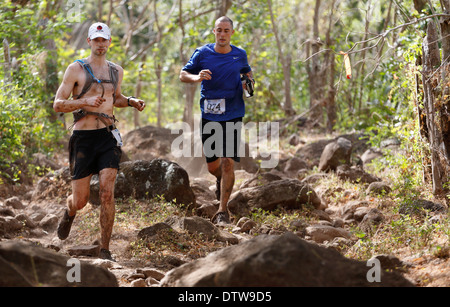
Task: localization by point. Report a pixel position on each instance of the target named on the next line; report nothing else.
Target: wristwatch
(129, 100)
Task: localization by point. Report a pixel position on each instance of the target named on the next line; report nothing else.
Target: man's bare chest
(96, 89)
(95, 82)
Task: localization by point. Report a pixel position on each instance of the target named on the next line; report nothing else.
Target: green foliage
(25, 125)
(401, 123)
(403, 231)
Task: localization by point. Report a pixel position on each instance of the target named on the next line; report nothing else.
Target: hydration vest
(90, 79)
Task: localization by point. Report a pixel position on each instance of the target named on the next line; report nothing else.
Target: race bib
(214, 106)
(117, 136)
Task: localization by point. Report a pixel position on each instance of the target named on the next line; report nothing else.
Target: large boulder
(311, 152)
(277, 261)
(26, 265)
(355, 174)
(370, 155)
(421, 207)
(335, 153)
(148, 143)
(288, 193)
(148, 179)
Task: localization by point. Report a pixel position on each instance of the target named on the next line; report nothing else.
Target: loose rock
(14, 202)
(336, 153)
(320, 233)
(287, 193)
(276, 261)
(24, 264)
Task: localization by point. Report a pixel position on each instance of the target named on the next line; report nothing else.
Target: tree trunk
(189, 88)
(316, 77)
(138, 90)
(445, 28)
(110, 11)
(7, 55)
(223, 7)
(330, 100)
(419, 5)
(431, 60)
(51, 63)
(289, 111)
(100, 10)
(188, 114)
(51, 78)
(286, 63)
(158, 72)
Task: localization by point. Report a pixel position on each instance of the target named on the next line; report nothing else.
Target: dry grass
(166, 249)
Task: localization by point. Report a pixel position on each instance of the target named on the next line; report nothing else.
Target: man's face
(223, 32)
(99, 45)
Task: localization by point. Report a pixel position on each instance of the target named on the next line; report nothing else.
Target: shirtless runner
(94, 84)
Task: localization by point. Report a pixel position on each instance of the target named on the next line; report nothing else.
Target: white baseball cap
(99, 29)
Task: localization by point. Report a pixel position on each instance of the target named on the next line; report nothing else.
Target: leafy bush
(26, 126)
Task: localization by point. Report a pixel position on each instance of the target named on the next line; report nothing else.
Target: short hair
(226, 19)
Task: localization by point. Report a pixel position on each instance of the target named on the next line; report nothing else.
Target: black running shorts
(91, 151)
(221, 139)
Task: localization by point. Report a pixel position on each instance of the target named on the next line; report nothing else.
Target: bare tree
(110, 11)
(222, 7)
(138, 90)
(51, 61)
(142, 21)
(314, 70)
(100, 10)
(419, 5)
(431, 59)
(330, 64)
(286, 63)
(435, 111)
(189, 88)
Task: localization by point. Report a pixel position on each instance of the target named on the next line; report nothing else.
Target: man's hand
(205, 75)
(95, 101)
(250, 76)
(138, 104)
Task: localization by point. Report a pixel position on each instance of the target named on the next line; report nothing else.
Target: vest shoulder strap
(89, 78)
(114, 77)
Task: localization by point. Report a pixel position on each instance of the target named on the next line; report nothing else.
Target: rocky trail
(323, 217)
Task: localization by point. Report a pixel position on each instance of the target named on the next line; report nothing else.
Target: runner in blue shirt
(219, 67)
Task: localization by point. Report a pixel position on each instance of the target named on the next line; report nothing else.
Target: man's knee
(69, 201)
(107, 180)
(106, 196)
(78, 202)
(214, 167)
(227, 165)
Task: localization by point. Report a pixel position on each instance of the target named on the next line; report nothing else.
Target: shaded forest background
(295, 47)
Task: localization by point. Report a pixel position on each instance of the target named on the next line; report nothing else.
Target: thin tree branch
(379, 37)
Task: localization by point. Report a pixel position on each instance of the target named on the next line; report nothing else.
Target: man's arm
(122, 101)
(193, 72)
(62, 102)
(187, 77)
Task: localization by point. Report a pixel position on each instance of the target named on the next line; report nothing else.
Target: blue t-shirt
(222, 96)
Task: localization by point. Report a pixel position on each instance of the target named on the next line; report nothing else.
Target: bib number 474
(214, 106)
